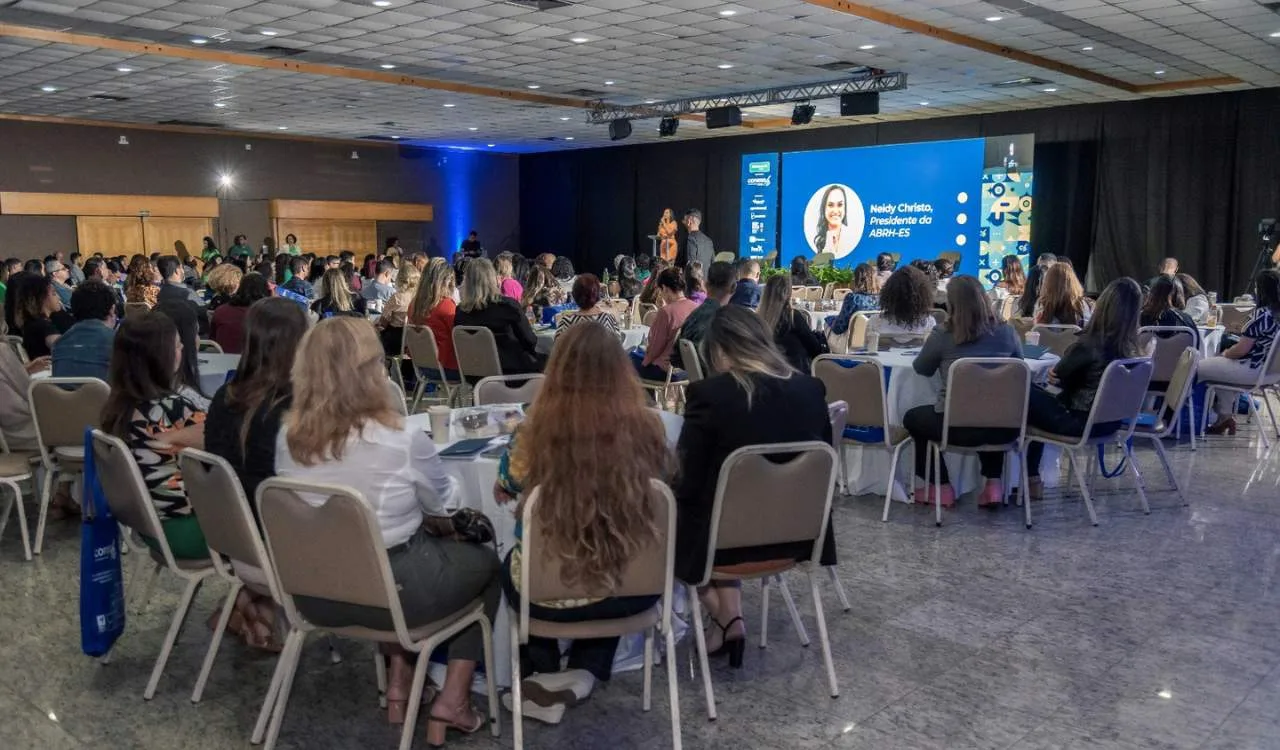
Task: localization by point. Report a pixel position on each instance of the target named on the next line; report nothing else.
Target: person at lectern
(667, 245)
(698, 247)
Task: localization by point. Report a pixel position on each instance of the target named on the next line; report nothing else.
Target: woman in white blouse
(343, 429)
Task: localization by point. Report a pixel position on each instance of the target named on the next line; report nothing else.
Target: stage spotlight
(803, 113)
(667, 127)
(619, 129)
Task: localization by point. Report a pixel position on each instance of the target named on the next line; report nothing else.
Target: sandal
(734, 647)
(438, 727)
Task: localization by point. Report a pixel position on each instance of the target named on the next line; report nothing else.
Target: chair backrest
(15, 343)
(1121, 393)
(645, 310)
(1057, 338)
(648, 572)
(477, 352)
(691, 360)
(724, 257)
(1235, 317)
(838, 413)
(125, 491)
(132, 309)
(1022, 326)
(859, 382)
(987, 392)
(508, 389)
(397, 397)
(323, 541)
(208, 346)
(1009, 307)
(61, 409)
(618, 307)
(827, 289)
(1170, 342)
(772, 494)
(839, 294)
(420, 342)
(813, 293)
(1271, 365)
(939, 315)
(859, 324)
(226, 519)
(893, 341)
(647, 318)
(1181, 381)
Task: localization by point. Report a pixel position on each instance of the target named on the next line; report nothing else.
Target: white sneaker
(552, 714)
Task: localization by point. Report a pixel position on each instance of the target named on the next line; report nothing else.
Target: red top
(227, 327)
(440, 321)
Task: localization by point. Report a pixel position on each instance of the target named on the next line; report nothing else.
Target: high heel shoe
(734, 647)
(1222, 427)
(438, 728)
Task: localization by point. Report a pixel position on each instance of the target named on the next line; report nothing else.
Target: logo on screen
(759, 167)
(834, 220)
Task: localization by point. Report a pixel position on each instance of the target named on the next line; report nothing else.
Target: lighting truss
(602, 112)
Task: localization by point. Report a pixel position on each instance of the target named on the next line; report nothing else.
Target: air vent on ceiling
(586, 93)
(191, 123)
(109, 97)
(276, 50)
(537, 4)
(1019, 82)
(841, 66)
(1272, 7)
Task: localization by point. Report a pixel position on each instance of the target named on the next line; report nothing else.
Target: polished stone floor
(1155, 631)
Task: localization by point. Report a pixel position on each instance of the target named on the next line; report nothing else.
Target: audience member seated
(334, 296)
(644, 268)
(695, 282)
(593, 474)
(747, 292)
(1197, 300)
(223, 282)
(754, 397)
(433, 307)
(649, 294)
(243, 423)
(586, 295)
(183, 315)
(721, 277)
(142, 282)
(1164, 307)
(800, 274)
(1168, 267)
(791, 332)
(483, 304)
(8, 269)
(343, 428)
(946, 269)
(971, 330)
(57, 272)
(395, 311)
(627, 284)
(509, 285)
(75, 270)
(665, 327)
(175, 292)
(156, 422)
(1111, 334)
(84, 351)
(380, 287)
(1030, 299)
(1013, 280)
(862, 297)
(16, 423)
(885, 266)
(906, 303)
(562, 269)
(545, 261)
(299, 270)
(540, 290)
(1062, 300)
(1239, 364)
(227, 323)
(39, 315)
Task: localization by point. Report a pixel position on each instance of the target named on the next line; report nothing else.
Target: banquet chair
(208, 346)
(132, 309)
(131, 504)
(424, 354)
(644, 310)
(15, 468)
(335, 551)
(828, 289)
(1169, 342)
(838, 413)
(661, 389)
(15, 343)
(893, 341)
(647, 318)
(1121, 392)
(477, 354)
(813, 294)
(1056, 338)
(691, 360)
(508, 389)
(1268, 378)
(838, 295)
(724, 257)
(748, 511)
(1009, 307)
(61, 408)
(1235, 317)
(650, 571)
(859, 324)
(1177, 396)
(1022, 326)
(984, 392)
(616, 307)
(863, 387)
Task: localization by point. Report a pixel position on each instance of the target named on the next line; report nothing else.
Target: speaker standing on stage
(667, 245)
(698, 246)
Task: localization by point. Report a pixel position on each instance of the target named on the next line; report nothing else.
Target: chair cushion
(1068, 440)
(1150, 429)
(186, 565)
(420, 633)
(69, 453)
(596, 628)
(15, 464)
(751, 569)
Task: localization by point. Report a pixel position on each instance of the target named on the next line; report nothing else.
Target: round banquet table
(869, 467)
(631, 338)
(214, 369)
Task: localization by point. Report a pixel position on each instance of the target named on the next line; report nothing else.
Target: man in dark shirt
(173, 289)
(299, 284)
(84, 351)
(471, 246)
(698, 246)
(720, 278)
(747, 293)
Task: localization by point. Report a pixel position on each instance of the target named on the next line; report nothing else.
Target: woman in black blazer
(483, 305)
(755, 398)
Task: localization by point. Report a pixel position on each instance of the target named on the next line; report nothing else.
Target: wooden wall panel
(162, 232)
(353, 210)
(79, 204)
(110, 235)
(328, 237)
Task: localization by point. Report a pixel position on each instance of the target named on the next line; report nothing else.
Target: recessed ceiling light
(1049, 90)
(579, 40)
(219, 104)
(269, 32)
(124, 69)
(48, 89)
(533, 86)
(282, 127)
(382, 3)
(725, 66)
(564, 119)
(1086, 49)
(650, 101)
(450, 106)
(387, 66)
(1159, 72)
(199, 40)
(395, 137)
(491, 145)
(1275, 35)
(993, 19)
(867, 47)
(728, 12)
(608, 83)
(924, 104)
(473, 129)
(569, 138)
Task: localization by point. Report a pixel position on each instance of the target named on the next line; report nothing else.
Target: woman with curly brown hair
(593, 475)
(143, 282)
(905, 303)
(1062, 300)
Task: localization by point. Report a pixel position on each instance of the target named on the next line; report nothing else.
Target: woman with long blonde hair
(334, 296)
(484, 305)
(594, 477)
(344, 428)
(1062, 300)
(395, 311)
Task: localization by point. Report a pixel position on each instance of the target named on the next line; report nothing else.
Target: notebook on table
(466, 450)
(1034, 351)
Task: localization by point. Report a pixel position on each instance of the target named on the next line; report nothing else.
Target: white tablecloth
(631, 338)
(1210, 340)
(214, 369)
(869, 467)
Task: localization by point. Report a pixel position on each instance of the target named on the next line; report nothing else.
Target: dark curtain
(1062, 215)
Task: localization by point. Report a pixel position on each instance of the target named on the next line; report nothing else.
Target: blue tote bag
(101, 579)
